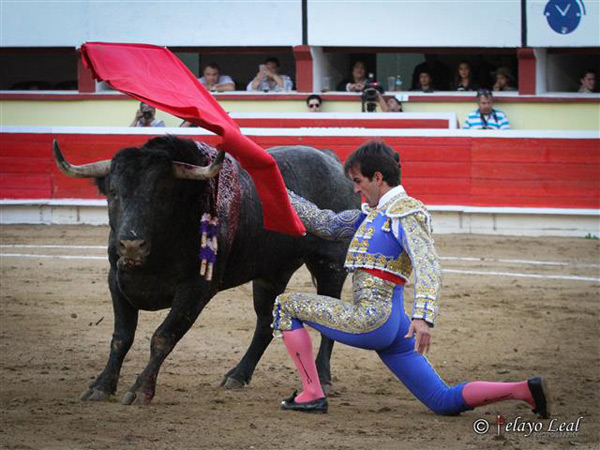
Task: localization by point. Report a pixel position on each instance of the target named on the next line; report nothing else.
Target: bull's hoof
(230, 383)
(132, 397)
(94, 395)
(128, 398)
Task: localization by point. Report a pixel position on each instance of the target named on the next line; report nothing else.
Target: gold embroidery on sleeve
(419, 245)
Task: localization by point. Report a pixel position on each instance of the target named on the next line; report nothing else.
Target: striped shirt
(497, 120)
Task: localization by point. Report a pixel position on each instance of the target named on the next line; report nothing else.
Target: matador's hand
(423, 339)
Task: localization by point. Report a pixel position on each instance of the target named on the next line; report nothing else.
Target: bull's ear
(101, 184)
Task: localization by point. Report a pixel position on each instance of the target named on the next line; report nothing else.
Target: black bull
(154, 243)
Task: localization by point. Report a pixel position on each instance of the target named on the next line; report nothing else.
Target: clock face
(564, 15)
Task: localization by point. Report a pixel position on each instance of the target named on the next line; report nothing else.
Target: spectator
(214, 81)
(394, 105)
(268, 78)
(587, 82)
(424, 81)
(486, 117)
(504, 80)
(314, 102)
(391, 104)
(464, 78)
(356, 82)
(436, 69)
(145, 117)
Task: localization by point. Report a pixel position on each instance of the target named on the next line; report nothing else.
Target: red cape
(156, 76)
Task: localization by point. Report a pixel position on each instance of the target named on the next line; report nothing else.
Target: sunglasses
(314, 105)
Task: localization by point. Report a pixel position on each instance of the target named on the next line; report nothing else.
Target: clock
(564, 15)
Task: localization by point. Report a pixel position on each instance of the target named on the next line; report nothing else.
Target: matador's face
(370, 188)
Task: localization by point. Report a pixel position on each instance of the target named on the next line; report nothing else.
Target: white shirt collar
(397, 190)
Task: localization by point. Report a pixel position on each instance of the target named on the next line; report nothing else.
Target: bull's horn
(192, 172)
(97, 169)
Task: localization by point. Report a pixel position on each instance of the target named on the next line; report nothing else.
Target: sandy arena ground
(56, 325)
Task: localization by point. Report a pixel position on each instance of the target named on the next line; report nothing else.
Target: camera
(147, 115)
(369, 95)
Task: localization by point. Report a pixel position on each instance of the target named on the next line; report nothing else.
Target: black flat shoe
(539, 392)
(318, 406)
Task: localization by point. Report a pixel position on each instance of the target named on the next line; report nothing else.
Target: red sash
(385, 276)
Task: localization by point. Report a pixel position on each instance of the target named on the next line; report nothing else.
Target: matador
(391, 239)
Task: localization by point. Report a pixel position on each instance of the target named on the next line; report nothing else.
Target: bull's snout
(133, 252)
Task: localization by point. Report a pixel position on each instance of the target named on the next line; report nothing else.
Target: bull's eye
(113, 193)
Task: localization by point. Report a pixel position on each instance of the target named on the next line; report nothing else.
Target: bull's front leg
(126, 318)
(264, 294)
(188, 303)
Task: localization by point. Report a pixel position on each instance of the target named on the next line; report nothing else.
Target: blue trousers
(399, 355)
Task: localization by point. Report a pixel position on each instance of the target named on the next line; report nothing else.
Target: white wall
(455, 220)
(405, 23)
(541, 34)
(366, 23)
(169, 23)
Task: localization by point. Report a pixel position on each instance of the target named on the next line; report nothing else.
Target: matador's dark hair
(375, 156)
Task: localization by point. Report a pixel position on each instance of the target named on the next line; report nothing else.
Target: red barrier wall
(468, 171)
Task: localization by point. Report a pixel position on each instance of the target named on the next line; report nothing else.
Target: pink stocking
(299, 347)
(479, 393)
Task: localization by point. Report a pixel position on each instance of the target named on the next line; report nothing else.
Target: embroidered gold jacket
(403, 219)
